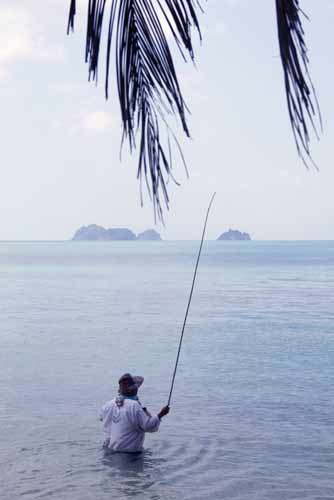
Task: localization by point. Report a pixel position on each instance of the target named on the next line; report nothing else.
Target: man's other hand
(164, 411)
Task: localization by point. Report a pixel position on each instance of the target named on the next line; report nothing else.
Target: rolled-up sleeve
(146, 423)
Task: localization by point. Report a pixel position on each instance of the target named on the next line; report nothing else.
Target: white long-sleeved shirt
(125, 426)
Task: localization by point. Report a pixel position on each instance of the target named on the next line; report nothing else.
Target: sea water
(252, 413)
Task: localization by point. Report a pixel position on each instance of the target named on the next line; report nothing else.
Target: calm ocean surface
(252, 415)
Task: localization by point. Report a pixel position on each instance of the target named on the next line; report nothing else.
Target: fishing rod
(189, 301)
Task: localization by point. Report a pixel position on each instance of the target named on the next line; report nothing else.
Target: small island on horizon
(234, 235)
(93, 232)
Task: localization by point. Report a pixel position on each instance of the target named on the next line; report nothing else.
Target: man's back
(125, 423)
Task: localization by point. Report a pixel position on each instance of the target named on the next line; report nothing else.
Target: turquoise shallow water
(253, 409)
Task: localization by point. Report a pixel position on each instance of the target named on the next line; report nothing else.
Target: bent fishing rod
(189, 301)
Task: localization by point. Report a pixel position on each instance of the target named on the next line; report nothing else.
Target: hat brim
(138, 380)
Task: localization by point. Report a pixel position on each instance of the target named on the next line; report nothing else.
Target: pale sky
(60, 139)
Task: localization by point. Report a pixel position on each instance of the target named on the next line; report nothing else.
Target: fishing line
(188, 306)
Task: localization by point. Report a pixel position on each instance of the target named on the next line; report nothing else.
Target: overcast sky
(60, 139)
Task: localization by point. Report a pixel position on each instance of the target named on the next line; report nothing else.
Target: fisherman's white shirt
(125, 425)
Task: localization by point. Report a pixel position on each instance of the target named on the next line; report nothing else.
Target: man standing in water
(125, 421)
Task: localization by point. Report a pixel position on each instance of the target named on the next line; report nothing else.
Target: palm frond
(71, 16)
(301, 97)
(148, 86)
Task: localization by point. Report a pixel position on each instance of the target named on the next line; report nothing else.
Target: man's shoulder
(108, 404)
(106, 408)
(110, 401)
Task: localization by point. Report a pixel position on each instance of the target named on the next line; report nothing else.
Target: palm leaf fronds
(301, 97)
(71, 16)
(148, 86)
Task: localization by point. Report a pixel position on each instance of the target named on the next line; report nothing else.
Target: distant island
(149, 235)
(234, 235)
(93, 232)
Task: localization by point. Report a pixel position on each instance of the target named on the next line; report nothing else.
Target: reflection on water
(131, 474)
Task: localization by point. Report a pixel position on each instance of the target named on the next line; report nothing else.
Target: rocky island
(93, 232)
(234, 235)
(149, 235)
